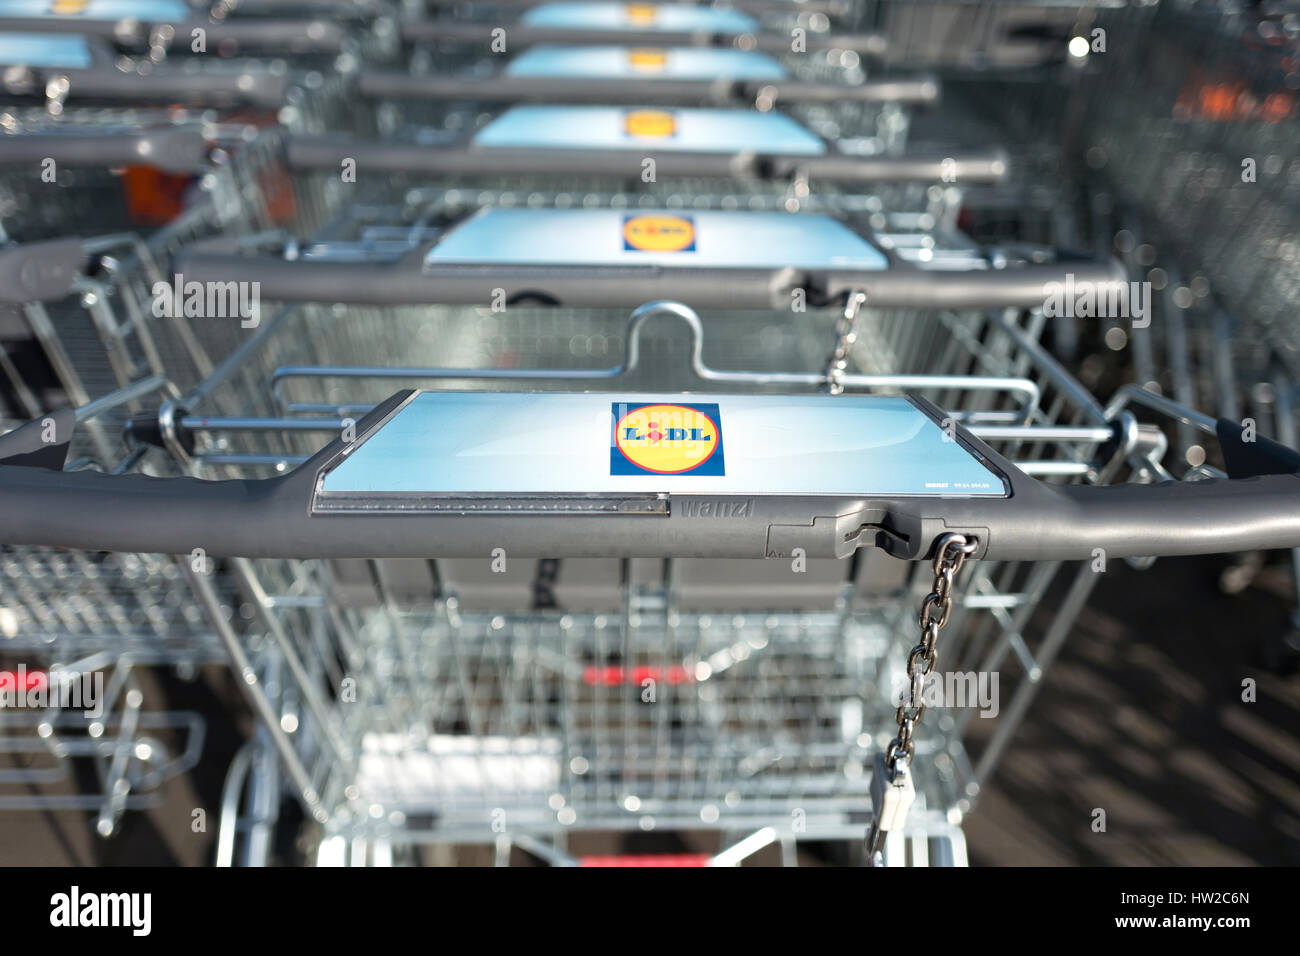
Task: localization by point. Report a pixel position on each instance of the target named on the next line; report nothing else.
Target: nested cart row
(529, 496)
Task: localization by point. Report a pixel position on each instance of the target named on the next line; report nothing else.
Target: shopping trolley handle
(42, 271)
(966, 167)
(221, 86)
(263, 34)
(918, 90)
(302, 515)
(1256, 507)
(838, 8)
(171, 149)
(412, 279)
(523, 34)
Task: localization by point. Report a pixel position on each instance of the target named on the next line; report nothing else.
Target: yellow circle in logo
(641, 14)
(68, 7)
(667, 439)
(658, 233)
(650, 124)
(647, 60)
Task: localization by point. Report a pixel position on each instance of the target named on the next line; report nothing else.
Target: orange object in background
(280, 202)
(1232, 101)
(153, 198)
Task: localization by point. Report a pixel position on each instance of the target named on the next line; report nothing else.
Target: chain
(846, 333)
(950, 553)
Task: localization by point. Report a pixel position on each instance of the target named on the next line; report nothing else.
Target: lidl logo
(70, 8)
(649, 124)
(662, 439)
(641, 14)
(659, 234)
(647, 60)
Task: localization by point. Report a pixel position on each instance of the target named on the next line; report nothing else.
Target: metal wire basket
(1206, 163)
(437, 701)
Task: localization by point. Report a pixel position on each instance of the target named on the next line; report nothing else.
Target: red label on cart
(666, 440)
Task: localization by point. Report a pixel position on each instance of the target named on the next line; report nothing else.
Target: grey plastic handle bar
(214, 87)
(272, 518)
(265, 35)
(42, 271)
(262, 34)
(832, 7)
(339, 8)
(504, 88)
(172, 149)
(408, 281)
(521, 35)
(327, 152)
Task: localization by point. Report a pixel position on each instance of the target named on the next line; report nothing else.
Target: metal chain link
(950, 553)
(846, 333)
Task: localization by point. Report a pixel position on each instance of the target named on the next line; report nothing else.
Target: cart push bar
(921, 90)
(75, 67)
(445, 474)
(256, 86)
(590, 258)
(830, 7)
(58, 66)
(251, 85)
(327, 152)
(610, 258)
(523, 34)
(174, 28)
(178, 149)
(405, 283)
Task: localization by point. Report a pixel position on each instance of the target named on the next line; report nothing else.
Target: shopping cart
(445, 248)
(683, 56)
(256, 191)
(981, 35)
(539, 650)
(234, 425)
(53, 69)
(131, 169)
(80, 315)
(1212, 183)
(705, 157)
(108, 163)
(114, 297)
(1203, 173)
(80, 633)
(635, 677)
(670, 120)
